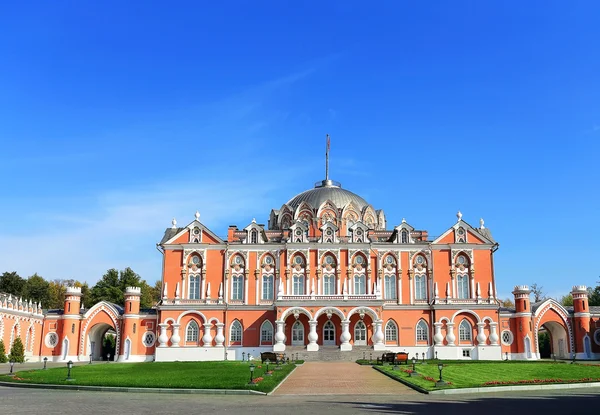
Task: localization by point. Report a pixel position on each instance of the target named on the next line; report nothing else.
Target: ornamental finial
(481, 224)
(197, 215)
(253, 220)
(174, 223)
(459, 215)
(403, 220)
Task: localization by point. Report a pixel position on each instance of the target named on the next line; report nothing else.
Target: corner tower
(131, 322)
(71, 324)
(523, 324)
(581, 322)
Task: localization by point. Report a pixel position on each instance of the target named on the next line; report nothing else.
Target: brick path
(340, 378)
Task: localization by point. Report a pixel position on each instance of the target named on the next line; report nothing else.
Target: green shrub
(3, 358)
(17, 351)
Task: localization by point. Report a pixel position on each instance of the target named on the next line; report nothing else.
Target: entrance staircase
(332, 353)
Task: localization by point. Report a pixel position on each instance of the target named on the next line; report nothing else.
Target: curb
(410, 385)
(132, 390)
(516, 388)
(283, 380)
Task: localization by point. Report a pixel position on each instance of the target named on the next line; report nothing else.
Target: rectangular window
(466, 353)
(298, 282)
(194, 293)
(463, 286)
(237, 291)
(420, 288)
(359, 284)
(390, 287)
(328, 285)
(267, 288)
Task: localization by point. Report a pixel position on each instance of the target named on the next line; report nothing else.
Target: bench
(393, 358)
(272, 357)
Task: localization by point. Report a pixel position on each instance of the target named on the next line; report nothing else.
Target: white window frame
(236, 332)
(328, 284)
(266, 333)
(192, 332)
(420, 287)
(360, 284)
(298, 282)
(465, 331)
(389, 281)
(422, 331)
(391, 324)
(237, 288)
(268, 281)
(194, 292)
(510, 340)
(462, 286)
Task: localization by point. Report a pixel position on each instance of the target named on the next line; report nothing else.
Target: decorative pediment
(195, 232)
(329, 233)
(298, 233)
(255, 233)
(359, 233)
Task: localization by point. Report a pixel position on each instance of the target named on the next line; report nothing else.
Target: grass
(191, 375)
(470, 375)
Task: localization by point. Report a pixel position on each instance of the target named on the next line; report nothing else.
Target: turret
(581, 321)
(131, 324)
(522, 302)
(132, 300)
(72, 301)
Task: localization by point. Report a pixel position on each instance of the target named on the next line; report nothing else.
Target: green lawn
(471, 375)
(193, 375)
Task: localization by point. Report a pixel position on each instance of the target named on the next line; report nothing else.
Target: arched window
(235, 335)
(422, 331)
(266, 332)
(267, 287)
(391, 332)
(194, 289)
(237, 288)
(464, 331)
(404, 237)
(191, 332)
(462, 283)
(360, 334)
(254, 237)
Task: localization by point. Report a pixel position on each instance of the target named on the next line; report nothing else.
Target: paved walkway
(340, 378)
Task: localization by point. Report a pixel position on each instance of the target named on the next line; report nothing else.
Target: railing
(333, 297)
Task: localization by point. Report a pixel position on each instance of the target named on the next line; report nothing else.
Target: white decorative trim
(510, 341)
(114, 317)
(149, 343)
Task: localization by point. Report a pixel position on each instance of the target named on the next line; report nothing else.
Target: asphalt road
(35, 401)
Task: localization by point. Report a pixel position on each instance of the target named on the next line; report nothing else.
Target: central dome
(327, 190)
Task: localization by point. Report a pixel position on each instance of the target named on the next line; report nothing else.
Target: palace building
(326, 278)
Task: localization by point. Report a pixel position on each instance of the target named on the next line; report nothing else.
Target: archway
(558, 341)
(101, 341)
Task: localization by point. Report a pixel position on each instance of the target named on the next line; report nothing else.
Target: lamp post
(370, 357)
(441, 381)
(69, 367)
(251, 373)
(554, 356)
(414, 361)
(108, 358)
(12, 365)
(243, 356)
(267, 363)
(45, 361)
(414, 373)
(364, 355)
(423, 355)
(436, 358)
(506, 356)
(90, 358)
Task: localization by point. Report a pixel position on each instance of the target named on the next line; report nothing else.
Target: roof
(169, 233)
(327, 190)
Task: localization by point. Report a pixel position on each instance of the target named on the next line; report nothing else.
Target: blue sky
(115, 118)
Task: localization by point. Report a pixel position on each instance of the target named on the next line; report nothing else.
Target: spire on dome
(327, 158)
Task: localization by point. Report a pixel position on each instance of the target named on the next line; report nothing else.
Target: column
(472, 280)
(246, 287)
(207, 338)
(481, 337)
(219, 338)
(279, 346)
(203, 292)
(378, 336)
(399, 288)
(345, 337)
(438, 338)
(313, 336)
(163, 338)
(450, 337)
(175, 339)
(494, 334)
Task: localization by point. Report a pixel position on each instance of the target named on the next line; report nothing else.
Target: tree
(566, 300)
(594, 295)
(538, 293)
(107, 289)
(157, 292)
(17, 351)
(37, 289)
(147, 298)
(56, 294)
(508, 303)
(3, 358)
(12, 283)
(544, 343)
(85, 292)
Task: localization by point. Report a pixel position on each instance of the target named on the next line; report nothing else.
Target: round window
(51, 339)
(195, 260)
(298, 260)
(268, 260)
(389, 259)
(359, 259)
(329, 232)
(238, 259)
(461, 260)
(149, 339)
(329, 260)
(420, 260)
(196, 231)
(507, 337)
(298, 232)
(359, 232)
